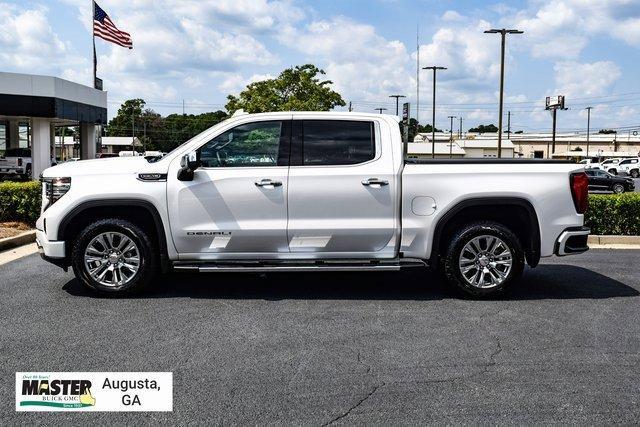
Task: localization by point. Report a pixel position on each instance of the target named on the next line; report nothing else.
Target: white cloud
(192, 81)
(452, 16)
(574, 79)
(362, 64)
(27, 41)
(466, 51)
(562, 28)
(235, 83)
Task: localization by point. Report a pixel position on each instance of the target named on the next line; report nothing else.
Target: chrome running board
(297, 266)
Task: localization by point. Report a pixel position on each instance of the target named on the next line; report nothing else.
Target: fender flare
(532, 252)
(148, 206)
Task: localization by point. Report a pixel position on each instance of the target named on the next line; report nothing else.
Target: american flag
(104, 28)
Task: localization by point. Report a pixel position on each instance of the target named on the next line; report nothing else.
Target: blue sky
(200, 51)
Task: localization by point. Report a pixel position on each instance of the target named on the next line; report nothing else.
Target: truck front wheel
(114, 256)
(483, 259)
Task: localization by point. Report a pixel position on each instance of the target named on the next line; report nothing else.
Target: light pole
(397, 97)
(588, 127)
(451, 136)
(380, 110)
(433, 120)
(503, 32)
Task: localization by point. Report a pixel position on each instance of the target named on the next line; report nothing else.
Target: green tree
(157, 132)
(121, 124)
(607, 131)
(491, 128)
(415, 128)
(295, 89)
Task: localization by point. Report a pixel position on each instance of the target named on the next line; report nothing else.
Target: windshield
(155, 159)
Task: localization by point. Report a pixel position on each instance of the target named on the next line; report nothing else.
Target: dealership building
(33, 107)
(528, 145)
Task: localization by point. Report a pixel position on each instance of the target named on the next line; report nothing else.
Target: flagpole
(93, 37)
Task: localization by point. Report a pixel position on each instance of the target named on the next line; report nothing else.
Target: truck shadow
(544, 282)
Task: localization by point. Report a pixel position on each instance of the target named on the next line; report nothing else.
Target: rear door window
(337, 142)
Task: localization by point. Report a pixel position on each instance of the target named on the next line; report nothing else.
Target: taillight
(580, 191)
(19, 162)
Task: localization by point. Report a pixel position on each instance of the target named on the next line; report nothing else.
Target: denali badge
(208, 233)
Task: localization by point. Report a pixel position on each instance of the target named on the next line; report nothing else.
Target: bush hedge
(614, 214)
(20, 201)
(617, 214)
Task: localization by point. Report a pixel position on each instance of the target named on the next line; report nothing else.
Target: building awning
(28, 95)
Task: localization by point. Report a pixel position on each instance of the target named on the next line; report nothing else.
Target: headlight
(54, 188)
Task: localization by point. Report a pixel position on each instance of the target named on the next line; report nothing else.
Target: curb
(613, 240)
(19, 240)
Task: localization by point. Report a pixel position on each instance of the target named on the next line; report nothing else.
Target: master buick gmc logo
(57, 393)
(208, 233)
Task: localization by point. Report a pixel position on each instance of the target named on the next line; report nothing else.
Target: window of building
(538, 154)
(3, 137)
(251, 144)
(337, 142)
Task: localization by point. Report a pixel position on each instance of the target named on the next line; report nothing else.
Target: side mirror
(188, 164)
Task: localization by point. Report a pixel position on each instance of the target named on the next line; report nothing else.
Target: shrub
(617, 214)
(20, 201)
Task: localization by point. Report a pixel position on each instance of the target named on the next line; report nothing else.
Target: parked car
(600, 180)
(129, 154)
(630, 167)
(309, 191)
(16, 162)
(609, 165)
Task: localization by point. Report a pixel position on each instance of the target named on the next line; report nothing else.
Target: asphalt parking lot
(564, 347)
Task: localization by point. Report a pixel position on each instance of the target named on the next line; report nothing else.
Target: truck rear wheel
(114, 256)
(483, 259)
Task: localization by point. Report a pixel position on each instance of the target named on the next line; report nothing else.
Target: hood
(108, 166)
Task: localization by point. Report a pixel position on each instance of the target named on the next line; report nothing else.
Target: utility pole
(418, 73)
(144, 139)
(553, 137)
(503, 32)
(380, 110)
(350, 107)
(183, 112)
(433, 120)
(133, 127)
(588, 127)
(460, 129)
(397, 97)
(509, 125)
(451, 136)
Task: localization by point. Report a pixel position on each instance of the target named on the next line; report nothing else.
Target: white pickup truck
(308, 191)
(16, 162)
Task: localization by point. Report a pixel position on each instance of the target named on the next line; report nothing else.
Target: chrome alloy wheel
(485, 261)
(112, 259)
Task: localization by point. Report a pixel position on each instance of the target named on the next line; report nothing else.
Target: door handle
(375, 181)
(267, 183)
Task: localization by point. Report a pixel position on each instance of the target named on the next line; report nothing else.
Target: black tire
(618, 188)
(452, 256)
(635, 173)
(147, 256)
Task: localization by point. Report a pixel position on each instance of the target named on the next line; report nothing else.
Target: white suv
(630, 167)
(609, 165)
